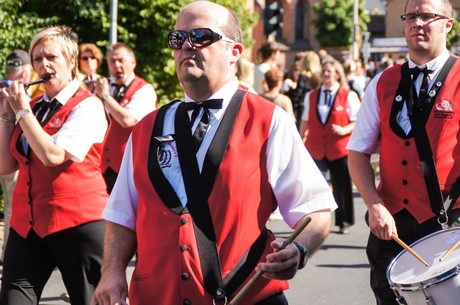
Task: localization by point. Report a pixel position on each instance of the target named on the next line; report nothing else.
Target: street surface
(336, 275)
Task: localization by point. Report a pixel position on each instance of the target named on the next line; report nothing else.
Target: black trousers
(382, 252)
(341, 188)
(29, 262)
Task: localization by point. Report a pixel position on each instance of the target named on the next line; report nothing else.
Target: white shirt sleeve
(85, 126)
(122, 205)
(365, 135)
(353, 105)
(306, 106)
(297, 183)
(142, 102)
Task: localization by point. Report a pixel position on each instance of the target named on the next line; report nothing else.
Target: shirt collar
(434, 65)
(127, 82)
(65, 94)
(333, 88)
(226, 93)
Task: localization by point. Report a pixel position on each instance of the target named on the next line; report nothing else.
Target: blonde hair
(245, 72)
(64, 37)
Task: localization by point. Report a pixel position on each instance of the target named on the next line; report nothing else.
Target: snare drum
(439, 284)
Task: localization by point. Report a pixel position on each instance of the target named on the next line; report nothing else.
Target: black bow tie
(416, 71)
(208, 104)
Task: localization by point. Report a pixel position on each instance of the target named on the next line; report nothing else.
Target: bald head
(221, 17)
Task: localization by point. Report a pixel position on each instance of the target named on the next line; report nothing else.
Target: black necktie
(203, 125)
(119, 91)
(418, 101)
(327, 97)
(46, 110)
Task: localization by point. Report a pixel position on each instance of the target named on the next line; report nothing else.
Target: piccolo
(39, 81)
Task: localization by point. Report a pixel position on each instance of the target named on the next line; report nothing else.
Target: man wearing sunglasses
(195, 208)
(127, 99)
(410, 111)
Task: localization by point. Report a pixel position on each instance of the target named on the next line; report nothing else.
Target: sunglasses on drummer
(198, 38)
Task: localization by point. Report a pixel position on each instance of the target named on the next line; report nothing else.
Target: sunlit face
(121, 64)
(88, 62)
(48, 59)
(426, 36)
(208, 67)
(330, 75)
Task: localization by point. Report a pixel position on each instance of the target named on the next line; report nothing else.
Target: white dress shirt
(142, 102)
(353, 104)
(297, 183)
(85, 126)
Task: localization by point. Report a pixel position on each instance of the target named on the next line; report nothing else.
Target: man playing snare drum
(413, 116)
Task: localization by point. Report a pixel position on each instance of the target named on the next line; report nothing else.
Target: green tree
(453, 37)
(334, 22)
(143, 24)
(17, 28)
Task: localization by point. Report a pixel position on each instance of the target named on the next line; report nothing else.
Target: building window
(300, 21)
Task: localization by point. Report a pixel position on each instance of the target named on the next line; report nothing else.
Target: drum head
(406, 270)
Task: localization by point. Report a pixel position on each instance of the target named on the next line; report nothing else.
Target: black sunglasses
(88, 57)
(198, 38)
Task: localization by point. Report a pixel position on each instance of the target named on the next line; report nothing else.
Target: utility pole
(355, 46)
(113, 21)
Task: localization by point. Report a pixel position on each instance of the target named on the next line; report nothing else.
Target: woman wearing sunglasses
(90, 60)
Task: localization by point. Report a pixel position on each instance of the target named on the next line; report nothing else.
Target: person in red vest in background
(127, 99)
(55, 140)
(327, 121)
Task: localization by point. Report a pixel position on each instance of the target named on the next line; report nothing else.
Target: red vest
(240, 203)
(402, 183)
(117, 136)
(321, 142)
(52, 199)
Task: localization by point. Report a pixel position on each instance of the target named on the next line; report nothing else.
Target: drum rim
(427, 283)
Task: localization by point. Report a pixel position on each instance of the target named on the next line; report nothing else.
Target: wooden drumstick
(259, 273)
(454, 246)
(402, 244)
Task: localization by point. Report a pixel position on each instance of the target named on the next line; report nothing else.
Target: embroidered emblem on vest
(444, 110)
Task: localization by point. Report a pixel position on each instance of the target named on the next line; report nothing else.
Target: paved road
(338, 274)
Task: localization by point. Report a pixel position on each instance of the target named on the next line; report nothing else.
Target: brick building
(298, 32)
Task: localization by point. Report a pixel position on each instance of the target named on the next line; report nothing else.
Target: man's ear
(237, 51)
(449, 25)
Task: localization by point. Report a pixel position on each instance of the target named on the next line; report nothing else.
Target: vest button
(183, 248)
(183, 220)
(406, 201)
(404, 182)
(407, 143)
(31, 222)
(185, 276)
(186, 302)
(27, 162)
(404, 162)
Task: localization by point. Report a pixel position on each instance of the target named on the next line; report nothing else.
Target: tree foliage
(334, 22)
(143, 24)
